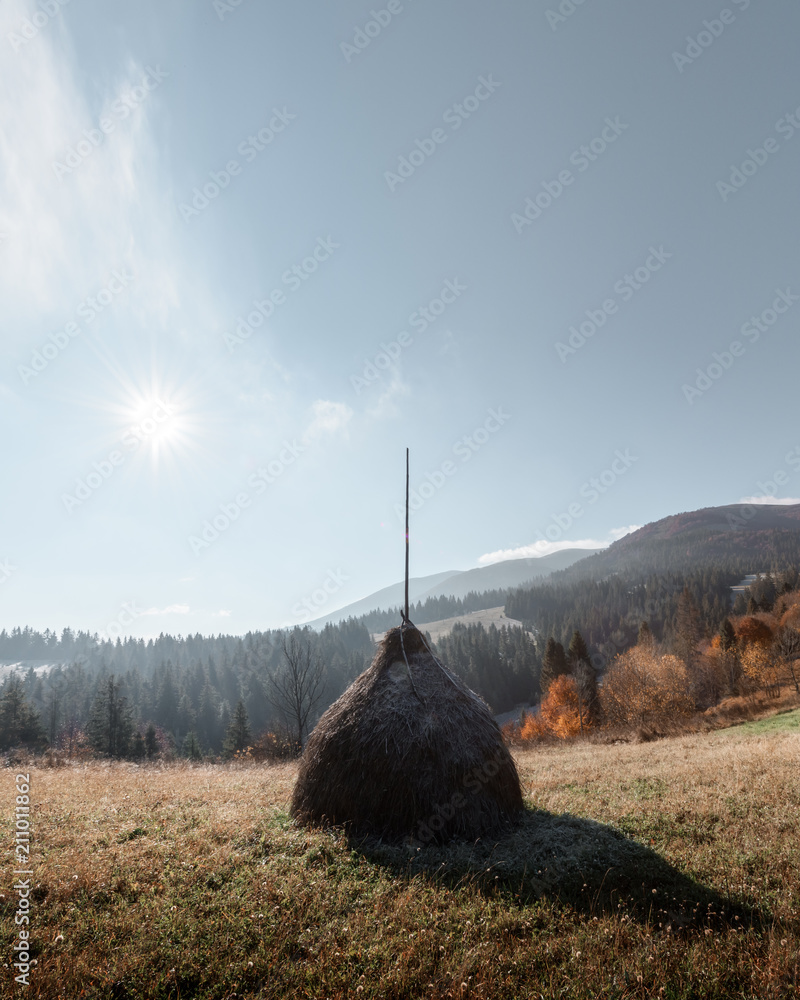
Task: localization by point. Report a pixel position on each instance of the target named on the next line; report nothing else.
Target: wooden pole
(405, 616)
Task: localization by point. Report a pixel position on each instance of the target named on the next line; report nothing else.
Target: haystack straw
(408, 751)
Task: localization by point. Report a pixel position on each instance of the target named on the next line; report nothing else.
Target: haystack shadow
(588, 866)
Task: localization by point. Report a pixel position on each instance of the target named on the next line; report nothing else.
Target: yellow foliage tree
(763, 668)
(643, 687)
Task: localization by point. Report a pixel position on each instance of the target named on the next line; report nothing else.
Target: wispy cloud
(328, 418)
(786, 501)
(386, 405)
(537, 549)
(172, 609)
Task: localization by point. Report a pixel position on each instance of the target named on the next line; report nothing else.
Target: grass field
(667, 869)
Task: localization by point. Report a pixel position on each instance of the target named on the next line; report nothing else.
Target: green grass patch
(782, 722)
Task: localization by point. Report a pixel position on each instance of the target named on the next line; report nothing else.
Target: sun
(158, 425)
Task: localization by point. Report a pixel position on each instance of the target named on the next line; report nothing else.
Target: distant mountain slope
(389, 597)
(512, 573)
(642, 576)
(753, 537)
(498, 576)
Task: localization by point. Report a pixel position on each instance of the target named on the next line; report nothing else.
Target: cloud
(786, 501)
(220, 614)
(543, 548)
(172, 609)
(329, 418)
(386, 405)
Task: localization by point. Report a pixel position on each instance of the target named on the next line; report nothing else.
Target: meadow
(665, 869)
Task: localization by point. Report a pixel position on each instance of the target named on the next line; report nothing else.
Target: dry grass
(669, 869)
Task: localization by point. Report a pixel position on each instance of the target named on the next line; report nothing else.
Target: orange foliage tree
(751, 630)
(559, 714)
(643, 687)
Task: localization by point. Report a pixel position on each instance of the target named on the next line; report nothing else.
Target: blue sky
(249, 253)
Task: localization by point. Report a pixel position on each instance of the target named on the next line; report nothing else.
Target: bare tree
(296, 689)
(787, 646)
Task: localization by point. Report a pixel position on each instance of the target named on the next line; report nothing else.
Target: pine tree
(585, 678)
(150, 742)
(19, 721)
(110, 725)
(238, 736)
(138, 749)
(645, 637)
(727, 635)
(688, 628)
(191, 746)
(554, 664)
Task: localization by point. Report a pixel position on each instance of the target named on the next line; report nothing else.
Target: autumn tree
(751, 630)
(786, 647)
(559, 713)
(762, 668)
(643, 687)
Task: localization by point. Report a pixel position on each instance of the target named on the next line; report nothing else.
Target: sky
(250, 253)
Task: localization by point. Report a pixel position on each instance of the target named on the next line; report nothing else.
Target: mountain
(512, 573)
(498, 576)
(642, 577)
(755, 536)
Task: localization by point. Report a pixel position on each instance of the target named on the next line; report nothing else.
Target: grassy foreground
(668, 869)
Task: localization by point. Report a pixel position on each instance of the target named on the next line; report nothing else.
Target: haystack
(408, 751)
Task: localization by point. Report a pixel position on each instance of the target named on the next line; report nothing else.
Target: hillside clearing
(486, 617)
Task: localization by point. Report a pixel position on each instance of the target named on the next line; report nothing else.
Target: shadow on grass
(587, 866)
